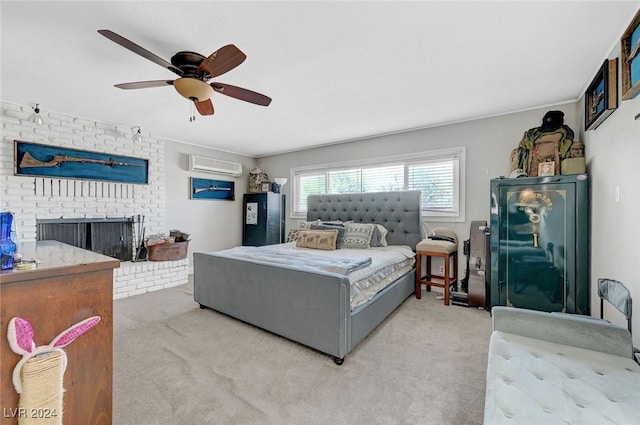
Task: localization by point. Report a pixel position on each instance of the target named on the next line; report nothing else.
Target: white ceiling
(336, 71)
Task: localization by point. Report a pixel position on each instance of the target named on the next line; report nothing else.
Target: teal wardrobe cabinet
(263, 219)
(539, 243)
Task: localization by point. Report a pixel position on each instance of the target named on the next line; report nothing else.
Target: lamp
(193, 89)
(279, 181)
(137, 136)
(35, 117)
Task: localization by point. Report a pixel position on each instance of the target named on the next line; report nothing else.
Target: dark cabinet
(263, 221)
(540, 243)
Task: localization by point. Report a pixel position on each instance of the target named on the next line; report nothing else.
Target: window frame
(406, 160)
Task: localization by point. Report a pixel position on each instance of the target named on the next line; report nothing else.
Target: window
(438, 174)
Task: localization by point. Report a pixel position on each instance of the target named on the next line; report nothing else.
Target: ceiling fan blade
(116, 38)
(242, 94)
(144, 84)
(205, 107)
(222, 60)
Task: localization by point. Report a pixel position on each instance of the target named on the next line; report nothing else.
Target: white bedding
(299, 259)
(388, 263)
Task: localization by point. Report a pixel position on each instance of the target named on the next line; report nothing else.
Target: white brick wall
(30, 198)
(138, 278)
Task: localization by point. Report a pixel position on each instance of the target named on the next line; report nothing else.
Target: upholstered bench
(555, 368)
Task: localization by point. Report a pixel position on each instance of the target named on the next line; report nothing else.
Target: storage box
(573, 166)
(168, 251)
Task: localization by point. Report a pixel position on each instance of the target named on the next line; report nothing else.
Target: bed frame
(312, 308)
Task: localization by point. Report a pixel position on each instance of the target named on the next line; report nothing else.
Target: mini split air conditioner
(215, 166)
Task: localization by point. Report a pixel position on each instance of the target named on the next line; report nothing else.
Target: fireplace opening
(112, 237)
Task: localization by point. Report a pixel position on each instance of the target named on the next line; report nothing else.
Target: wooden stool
(446, 250)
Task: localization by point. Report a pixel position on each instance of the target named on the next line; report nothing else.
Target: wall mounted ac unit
(216, 166)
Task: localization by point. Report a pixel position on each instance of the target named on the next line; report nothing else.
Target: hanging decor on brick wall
(212, 189)
(32, 159)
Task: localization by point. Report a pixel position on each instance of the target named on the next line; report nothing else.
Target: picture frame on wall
(211, 189)
(630, 59)
(601, 97)
(265, 187)
(37, 160)
(546, 169)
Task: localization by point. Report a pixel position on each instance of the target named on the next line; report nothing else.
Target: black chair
(617, 295)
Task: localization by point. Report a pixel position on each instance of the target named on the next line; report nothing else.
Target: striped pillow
(357, 235)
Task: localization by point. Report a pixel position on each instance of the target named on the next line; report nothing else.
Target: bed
(313, 308)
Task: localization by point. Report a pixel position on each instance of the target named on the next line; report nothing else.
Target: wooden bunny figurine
(38, 376)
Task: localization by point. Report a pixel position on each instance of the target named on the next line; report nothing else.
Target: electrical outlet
(442, 270)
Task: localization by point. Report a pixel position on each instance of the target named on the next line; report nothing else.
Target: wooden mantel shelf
(69, 285)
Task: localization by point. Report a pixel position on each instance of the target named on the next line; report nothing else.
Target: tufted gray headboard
(399, 212)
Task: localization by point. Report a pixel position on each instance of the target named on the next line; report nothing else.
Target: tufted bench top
(534, 381)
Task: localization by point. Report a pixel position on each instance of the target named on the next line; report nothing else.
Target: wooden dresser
(70, 285)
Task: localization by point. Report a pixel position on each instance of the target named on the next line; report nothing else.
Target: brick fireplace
(37, 200)
(112, 237)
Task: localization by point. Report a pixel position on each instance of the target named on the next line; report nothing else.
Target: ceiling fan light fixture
(35, 117)
(137, 135)
(193, 89)
(194, 71)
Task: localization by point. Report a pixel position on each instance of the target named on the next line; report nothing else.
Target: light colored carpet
(176, 364)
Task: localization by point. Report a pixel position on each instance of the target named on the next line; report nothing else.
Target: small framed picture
(265, 187)
(547, 169)
(601, 98)
(630, 59)
(212, 189)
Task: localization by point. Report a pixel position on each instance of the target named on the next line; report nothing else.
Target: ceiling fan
(195, 72)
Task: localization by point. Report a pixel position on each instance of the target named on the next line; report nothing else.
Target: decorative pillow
(375, 237)
(317, 239)
(303, 224)
(379, 236)
(333, 223)
(341, 231)
(293, 235)
(357, 235)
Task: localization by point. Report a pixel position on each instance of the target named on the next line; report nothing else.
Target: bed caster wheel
(338, 360)
(202, 307)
